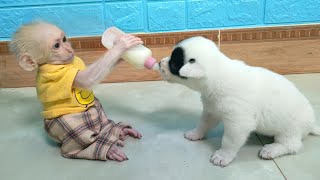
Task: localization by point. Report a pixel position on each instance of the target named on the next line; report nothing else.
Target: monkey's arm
(98, 70)
(101, 68)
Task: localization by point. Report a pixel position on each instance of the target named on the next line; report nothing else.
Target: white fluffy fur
(245, 99)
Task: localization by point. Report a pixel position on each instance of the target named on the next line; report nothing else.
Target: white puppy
(243, 97)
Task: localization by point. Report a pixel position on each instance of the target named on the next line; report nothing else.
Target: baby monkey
(73, 116)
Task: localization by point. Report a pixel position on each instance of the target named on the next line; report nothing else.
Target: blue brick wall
(292, 11)
(224, 13)
(92, 17)
(166, 16)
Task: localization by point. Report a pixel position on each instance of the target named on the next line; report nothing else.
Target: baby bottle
(139, 56)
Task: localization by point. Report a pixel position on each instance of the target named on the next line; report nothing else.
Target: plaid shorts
(86, 135)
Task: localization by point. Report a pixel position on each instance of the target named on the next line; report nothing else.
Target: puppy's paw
(222, 158)
(193, 135)
(270, 151)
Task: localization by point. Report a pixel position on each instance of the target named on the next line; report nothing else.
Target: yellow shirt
(56, 93)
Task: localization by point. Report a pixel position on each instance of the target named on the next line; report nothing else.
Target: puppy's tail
(315, 131)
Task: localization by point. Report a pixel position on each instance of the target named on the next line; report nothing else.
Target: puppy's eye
(56, 45)
(192, 61)
(64, 39)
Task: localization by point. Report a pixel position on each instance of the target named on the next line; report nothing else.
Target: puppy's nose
(160, 64)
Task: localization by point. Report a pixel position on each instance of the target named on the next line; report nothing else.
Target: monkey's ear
(27, 63)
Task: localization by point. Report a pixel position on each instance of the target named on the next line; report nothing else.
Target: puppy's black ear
(176, 61)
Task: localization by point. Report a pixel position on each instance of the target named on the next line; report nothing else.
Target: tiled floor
(162, 112)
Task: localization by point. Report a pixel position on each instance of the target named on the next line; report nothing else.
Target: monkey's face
(61, 51)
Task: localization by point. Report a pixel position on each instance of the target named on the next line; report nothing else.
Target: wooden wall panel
(14, 76)
(284, 57)
(285, 50)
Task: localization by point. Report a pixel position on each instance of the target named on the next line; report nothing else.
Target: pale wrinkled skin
(115, 152)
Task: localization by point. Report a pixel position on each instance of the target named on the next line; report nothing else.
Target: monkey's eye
(64, 39)
(56, 45)
(192, 61)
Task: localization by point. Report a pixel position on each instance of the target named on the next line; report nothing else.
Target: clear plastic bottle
(139, 56)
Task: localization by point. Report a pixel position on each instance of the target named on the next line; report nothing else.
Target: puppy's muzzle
(163, 63)
(163, 66)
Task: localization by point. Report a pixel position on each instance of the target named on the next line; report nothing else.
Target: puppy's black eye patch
(176, 61)
(192, 61)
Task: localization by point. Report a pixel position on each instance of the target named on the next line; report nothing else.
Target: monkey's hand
(124, 42)
(129, 131)
(116, 154)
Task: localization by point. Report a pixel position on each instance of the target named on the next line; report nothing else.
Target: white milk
(139, 56)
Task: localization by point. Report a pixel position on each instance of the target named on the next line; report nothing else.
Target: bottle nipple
(149, 63)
